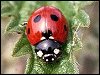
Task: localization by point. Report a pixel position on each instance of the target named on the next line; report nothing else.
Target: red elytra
(41, 20)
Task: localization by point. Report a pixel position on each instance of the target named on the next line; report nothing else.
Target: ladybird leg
(23, 24)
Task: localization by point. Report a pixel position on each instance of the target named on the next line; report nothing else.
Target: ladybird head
(48, 49)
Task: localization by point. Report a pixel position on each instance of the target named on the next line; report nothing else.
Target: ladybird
(47, 30)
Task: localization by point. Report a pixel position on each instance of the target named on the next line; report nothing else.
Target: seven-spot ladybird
(47, 30)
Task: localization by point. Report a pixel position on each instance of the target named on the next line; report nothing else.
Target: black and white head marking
(40, 53)
(43, 38)
(56, 51)
(49, 57)
(48, 49)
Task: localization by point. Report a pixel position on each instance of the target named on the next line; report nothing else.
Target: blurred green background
(88, 57)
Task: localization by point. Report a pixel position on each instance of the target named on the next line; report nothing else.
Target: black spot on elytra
(54, 17)
(65, 28)
(37, 18)
(28, 32)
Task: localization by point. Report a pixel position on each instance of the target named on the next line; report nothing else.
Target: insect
(47, 30)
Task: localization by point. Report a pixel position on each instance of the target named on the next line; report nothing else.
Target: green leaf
(6, 11)
(6, 8)
(65, 67)
(33, 65)
(10, 8)
(81, 19)
(22, 47)
(14, 26)
(37, 68)
(29, 65)
(77, 44)
(14, 21)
